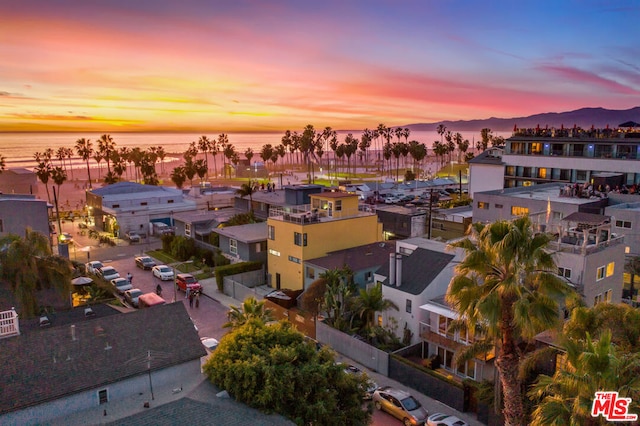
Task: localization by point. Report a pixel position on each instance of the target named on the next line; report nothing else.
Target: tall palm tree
(205, 146)
(136, 155)
(59, 176)
(43, 171)
(162, 154)
(507, 283)
(566, 398)
(84, 148)
(251, 309)
(418, 152)
(307, 146)
(370, 301)
(106, 146)
(286, 141)
(229, 153)
(221, 146)
(178, 176)
(3, 163)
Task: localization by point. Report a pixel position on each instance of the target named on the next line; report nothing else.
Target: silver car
(163, 272)
(400, 405)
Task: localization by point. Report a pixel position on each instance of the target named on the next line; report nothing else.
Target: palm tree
(161, 153)
(3, 163)
(221, 146)
(59, 176)
(286, 141)
(106, 146)
(178, 176)
(229, 153)
(27, 263)
(307, 146)
(350, 148)
(247, 190)
(507, 283)
(43, 171)
(205, 146)
(337, 296)
(249, 155)
(84, 148)
(371, 301)
(251, 309)
(441, 131)
(418, 152)
(136, 155)
(266, 153)
(485, 137)
(567, 397)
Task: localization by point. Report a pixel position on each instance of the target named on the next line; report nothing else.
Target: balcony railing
(9, 324)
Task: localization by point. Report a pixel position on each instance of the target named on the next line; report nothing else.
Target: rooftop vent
(88, 312)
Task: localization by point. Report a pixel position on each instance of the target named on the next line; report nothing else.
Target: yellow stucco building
(333, 221)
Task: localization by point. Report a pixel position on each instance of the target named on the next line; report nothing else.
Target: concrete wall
(17, 215)
(485, 177)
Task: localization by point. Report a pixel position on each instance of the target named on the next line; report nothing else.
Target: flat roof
(333, 195)
(544, 192)
(249, 233)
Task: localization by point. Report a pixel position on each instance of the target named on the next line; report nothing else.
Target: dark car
(185, 281)
(145, 262)
(133, 236)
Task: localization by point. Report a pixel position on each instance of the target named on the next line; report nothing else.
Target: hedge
(233, 269)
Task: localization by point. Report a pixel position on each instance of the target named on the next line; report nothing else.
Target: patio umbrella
(81, 281)
(629, 124)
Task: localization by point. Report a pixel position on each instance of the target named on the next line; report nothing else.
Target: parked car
(121, 285)
(185, 281)
(209, 343)
(133, 236)
(145, 262)
(439, 419)
(371, 385)
(93, 266)
(163, 272)
(131, 296)
(400, 405)
(391, 200)
(108, 273)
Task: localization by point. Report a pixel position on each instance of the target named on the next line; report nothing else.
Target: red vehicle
(185, 281)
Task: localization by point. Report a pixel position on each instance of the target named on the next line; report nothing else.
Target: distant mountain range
(583, 117)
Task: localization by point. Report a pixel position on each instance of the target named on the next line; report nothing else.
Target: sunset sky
(262, 65)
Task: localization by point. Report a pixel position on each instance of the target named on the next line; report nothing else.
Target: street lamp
(175, 277)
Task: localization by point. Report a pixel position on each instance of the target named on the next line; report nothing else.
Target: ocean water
(19, 148)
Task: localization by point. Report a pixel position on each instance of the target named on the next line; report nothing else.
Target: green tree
(274, 369)
(370, 301)
(566, 398)
(205, 146)
(106, 146)
(507, 283)
(251, 309)
(43, 171)
(485, 137)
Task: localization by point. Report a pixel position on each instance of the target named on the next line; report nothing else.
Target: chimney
(392, 268)
(73, 333)
(398, 269)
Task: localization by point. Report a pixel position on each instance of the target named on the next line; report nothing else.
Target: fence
(359, 351)
(246, 284)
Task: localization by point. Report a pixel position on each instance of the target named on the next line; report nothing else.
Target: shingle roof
(358, 258)
(216, 411)
(48, 364)
(419, 269)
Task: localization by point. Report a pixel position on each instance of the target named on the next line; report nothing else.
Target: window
(519, 211)
(259, 247)
(103, 396)
(581, 175)
(564, 272)
(408, 306)
(300, 239)
(187, 229)
(610, 268)
(294, 259)
(274, 252)
(607, 296)
(597, 299)
(271, 232)
(233, 246)
(338, 205)
(483, 205)
(443, 326)
(379, 320)
(623, 224)
(144, 203)
(600, 273)
(169, 201)
(115, 206)
(498, 206)
(311, 273)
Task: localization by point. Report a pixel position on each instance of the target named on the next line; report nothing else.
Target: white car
(439, 419)
(93, 266)
(163, 272)
(209, 343)
(108, 273)
(391, 200)
(121, 285)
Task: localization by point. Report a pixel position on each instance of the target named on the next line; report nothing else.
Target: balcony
(9, 324)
